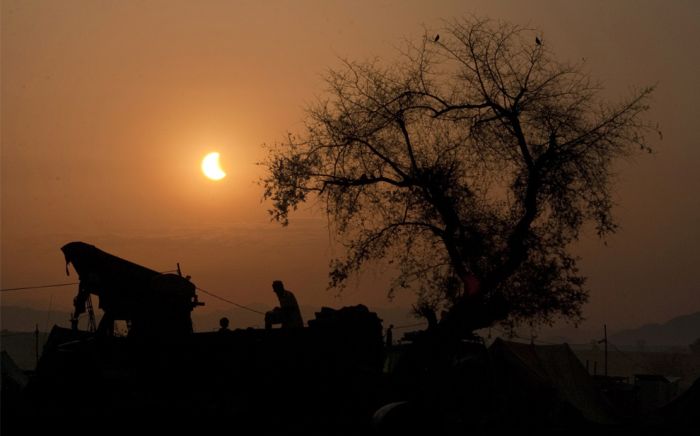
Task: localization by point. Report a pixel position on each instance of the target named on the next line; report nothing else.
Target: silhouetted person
(390, 336)
(223, 325)
(287, 313)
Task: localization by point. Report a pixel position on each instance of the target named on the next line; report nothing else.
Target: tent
(545, 385)
(13, 378)
(12, 385)
(684, 411)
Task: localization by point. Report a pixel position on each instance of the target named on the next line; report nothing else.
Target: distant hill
(678, 332)
(25, 319)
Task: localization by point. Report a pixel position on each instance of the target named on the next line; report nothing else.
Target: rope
(58, 285)
(230, 302)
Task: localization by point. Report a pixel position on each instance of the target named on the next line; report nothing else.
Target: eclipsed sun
(211, 167)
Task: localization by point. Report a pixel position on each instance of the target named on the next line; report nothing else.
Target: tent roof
(551, 371)
(11, 373)
(683, 411)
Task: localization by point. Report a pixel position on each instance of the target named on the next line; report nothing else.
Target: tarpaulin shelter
(545, 384)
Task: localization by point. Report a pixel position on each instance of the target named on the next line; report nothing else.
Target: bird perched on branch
(437, 37)
(538, 41)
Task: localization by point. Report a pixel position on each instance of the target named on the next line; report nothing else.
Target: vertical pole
(36, 345)
(605, 338)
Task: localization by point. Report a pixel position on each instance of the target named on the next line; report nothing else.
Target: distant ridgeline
(680, 331)
(26, 319)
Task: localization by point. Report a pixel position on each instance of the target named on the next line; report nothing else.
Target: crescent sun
(211, 167)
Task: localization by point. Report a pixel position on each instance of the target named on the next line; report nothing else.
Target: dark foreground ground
(313, 381)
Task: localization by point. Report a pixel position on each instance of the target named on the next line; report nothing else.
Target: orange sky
(108, 108)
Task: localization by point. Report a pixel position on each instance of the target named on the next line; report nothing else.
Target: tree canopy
(471, 165)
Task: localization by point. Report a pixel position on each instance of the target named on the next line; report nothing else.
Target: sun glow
(211, 167)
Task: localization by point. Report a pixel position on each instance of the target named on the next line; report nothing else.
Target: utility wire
(628, 356)
(517, 336)
(57, 285)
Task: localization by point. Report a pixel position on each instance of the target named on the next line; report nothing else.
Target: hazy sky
(109, 106)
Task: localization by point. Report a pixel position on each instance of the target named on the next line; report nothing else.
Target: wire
(230, 302)
(628, 356)
(517, 336)
(57, 285)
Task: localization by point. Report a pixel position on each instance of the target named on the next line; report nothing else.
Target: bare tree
(472, 166)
